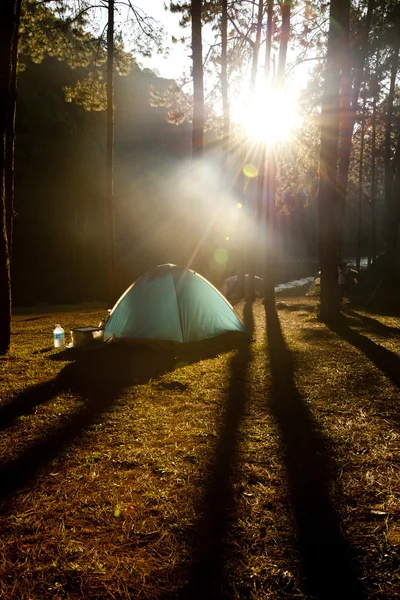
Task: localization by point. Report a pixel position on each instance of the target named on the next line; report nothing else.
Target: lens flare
(250, 171)
(221, 256)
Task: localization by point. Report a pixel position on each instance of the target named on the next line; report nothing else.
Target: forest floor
(267, 471)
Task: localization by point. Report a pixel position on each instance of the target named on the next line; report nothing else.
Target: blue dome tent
(171, 304)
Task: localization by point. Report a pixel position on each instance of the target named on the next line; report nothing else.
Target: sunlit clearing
(270, 117)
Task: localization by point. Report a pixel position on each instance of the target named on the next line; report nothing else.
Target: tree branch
(244, 36)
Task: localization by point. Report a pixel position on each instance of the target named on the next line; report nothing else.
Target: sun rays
(271, 117)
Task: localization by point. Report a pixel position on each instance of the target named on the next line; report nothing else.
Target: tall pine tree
(10, 11)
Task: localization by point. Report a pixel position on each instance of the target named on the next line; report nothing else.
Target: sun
(270, 117)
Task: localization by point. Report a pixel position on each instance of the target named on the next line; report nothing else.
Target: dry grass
(269, 471)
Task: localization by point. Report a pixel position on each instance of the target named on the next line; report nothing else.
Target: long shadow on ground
(388, 362)
(98, 377)
(207, 579)
(371, 324)
(325, 555)
(296, 307)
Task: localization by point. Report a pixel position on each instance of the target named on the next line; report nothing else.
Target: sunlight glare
(271, 117)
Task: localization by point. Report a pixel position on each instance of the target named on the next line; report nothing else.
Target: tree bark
(110, 228)
(267, 167)
(283, 46)
(224, 75)
(198, 86)
(391, 223)
(268, 41)
(256, 49)
(360, 188)
(375, 91)
(270, 266)
(9, 23)
(349, 110)
(251, 244)
(396, 182)
(270, 271)
(328, 200)
(10, 137)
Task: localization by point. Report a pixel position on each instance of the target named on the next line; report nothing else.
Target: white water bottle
(58, 336)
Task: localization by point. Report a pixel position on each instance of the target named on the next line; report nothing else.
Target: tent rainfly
(174, 304)
(230, 286)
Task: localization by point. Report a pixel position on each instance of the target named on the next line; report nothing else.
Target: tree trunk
(396, 182)
(9, 23)
(270, 271)
(10, 137)
(110, 229)
(241, 266)
(256, 49)
(328, 201)
(198, 87)
(349, 110)
(270, 266)
(391, 224)
(268, 40)
(284, 41)
(375, 92)
(360, 188)
(251, 241)
(224, 75)
(266, 192)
